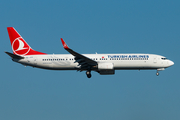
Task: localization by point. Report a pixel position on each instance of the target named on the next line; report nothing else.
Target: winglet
(64, 44)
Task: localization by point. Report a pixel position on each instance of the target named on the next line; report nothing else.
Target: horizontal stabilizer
(14, 56)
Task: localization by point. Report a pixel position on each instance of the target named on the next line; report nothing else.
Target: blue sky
(150, 26)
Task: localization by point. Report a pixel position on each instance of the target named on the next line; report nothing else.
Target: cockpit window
(164, 58)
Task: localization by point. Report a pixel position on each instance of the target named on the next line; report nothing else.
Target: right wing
(84, 61)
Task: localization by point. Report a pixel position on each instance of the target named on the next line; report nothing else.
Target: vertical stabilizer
(19, 45)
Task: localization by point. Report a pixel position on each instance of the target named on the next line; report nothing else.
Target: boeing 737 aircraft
(104, 64)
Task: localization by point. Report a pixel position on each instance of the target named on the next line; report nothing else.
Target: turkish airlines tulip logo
(20, 47)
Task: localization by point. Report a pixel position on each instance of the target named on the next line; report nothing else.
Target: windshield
(164, 58)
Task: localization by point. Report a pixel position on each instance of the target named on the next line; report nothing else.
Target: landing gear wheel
(88, 73)
(157, 73)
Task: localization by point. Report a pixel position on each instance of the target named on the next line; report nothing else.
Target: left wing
(85, 62)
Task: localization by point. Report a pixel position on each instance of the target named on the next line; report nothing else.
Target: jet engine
(106, 68)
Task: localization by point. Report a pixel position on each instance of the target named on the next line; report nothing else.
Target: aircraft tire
(88, 73)
(157, 74)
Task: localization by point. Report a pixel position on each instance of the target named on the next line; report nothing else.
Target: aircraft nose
(171, 63)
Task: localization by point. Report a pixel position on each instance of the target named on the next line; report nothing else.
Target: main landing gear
(88, 73)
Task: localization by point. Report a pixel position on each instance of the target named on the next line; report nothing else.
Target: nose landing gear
(88, 73)
(157, 73)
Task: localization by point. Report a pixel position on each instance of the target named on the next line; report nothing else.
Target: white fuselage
(104, 64)
(119, 61)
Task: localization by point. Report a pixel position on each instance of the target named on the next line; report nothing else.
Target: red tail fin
(19, 45)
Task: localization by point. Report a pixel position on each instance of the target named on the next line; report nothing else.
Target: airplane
(104, 64)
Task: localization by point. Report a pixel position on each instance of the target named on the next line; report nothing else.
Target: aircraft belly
(133, 65)
(57, 65)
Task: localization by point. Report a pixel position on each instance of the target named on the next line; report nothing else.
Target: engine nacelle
(106, 68)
